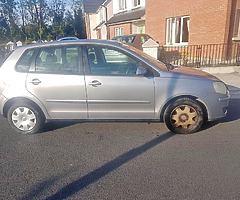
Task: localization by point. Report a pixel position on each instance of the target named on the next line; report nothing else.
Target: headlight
(220, 87)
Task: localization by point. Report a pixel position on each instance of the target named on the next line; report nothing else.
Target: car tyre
(25, 118)
(184, 116)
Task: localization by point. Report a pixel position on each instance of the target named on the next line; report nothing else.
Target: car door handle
(35, 81)
(95, 83)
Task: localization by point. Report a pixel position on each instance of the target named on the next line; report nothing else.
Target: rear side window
(49, 60)
(58, 60)
(24, 63)
(4, 56)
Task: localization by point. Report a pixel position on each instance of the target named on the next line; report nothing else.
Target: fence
(201, 55)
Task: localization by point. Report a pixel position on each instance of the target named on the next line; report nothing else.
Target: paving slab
(232, 79)
(233, 82)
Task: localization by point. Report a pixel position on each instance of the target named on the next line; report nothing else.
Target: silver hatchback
(104, 80)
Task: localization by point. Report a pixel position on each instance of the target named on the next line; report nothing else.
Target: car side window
(111, 61)
(58, 60)
(72, 60)
(114, 56)
(24, 63)
(49, 60)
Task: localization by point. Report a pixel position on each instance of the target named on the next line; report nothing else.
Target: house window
(177, 30)
(237, 25)
(136, 3)
(122, 5)
(101, 12)
(118, 31)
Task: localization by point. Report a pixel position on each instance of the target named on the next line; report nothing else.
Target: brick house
(91, 17)
(128, 17)
(190, 22)
(110, 18)
(104, 13)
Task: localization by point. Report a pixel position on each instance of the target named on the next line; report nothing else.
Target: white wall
(129, 5)
(93, 24)
(109, 9)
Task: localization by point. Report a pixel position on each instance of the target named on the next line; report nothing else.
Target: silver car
(104, 80)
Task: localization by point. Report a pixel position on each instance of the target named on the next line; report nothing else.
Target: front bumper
(218, 109)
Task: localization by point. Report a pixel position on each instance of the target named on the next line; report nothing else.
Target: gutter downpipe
(106, 16)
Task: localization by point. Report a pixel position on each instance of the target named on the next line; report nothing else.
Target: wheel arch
(199, 101)
(11, 101)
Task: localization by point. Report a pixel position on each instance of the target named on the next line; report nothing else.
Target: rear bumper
(2, 102)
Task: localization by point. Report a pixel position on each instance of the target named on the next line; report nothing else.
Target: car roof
(72, 42)
(68, 37)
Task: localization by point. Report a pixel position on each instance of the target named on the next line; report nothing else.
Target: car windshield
(148, 58)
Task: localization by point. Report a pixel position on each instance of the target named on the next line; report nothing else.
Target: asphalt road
(118, 161)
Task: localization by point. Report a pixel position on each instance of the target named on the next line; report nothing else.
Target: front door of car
(118, 85)
(56, 79)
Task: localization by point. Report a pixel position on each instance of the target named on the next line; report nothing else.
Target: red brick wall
(209, 19)
(127, 29)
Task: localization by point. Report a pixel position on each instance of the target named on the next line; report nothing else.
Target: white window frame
(122, 5)
(236, 32)
(118, 31)
(101, 15)
(172, 21)
(138, 3)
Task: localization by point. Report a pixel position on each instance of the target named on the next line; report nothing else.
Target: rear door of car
(56, 79)
(114, 90)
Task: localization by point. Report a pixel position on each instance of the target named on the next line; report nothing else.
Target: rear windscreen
(3, 56)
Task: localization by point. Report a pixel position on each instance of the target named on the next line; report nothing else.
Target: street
(121, 161)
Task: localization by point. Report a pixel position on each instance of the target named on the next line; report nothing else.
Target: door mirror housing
(141, 71)
(144, 71)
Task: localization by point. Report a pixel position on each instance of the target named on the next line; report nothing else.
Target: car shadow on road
(37, 190)
(55, 125)
(95, 175)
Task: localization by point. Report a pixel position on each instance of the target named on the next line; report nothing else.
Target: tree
(39, 14)
(23, 15)
(4, 29)
(69, 24)
(29, 20)
(8, 18)
(79, 25)
(57, 10)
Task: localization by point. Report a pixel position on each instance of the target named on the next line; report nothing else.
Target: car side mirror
(142, 71)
